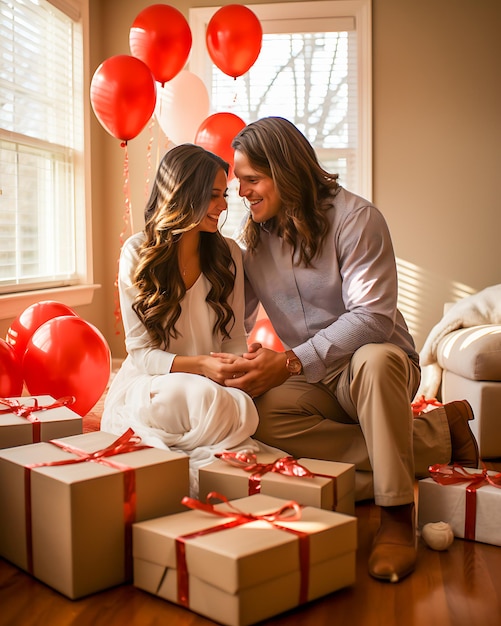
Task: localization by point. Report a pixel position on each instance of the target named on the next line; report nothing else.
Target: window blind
(41, 134)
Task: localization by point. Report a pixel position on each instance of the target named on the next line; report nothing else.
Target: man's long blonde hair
(276, 148)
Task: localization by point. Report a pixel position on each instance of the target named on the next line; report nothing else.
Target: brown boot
(394, 551)
(463, 442)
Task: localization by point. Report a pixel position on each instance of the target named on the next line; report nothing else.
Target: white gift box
(241, 574)
(70, 525)
(42, 425)
(471, 513)
(331, 485)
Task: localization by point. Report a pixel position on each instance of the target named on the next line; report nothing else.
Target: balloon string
(161, 100)
(151, 126)
(127, 219)
(158, 147)
(160, 131)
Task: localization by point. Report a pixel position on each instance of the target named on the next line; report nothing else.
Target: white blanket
(480, 308)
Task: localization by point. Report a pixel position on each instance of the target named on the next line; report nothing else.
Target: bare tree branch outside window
(308, 78)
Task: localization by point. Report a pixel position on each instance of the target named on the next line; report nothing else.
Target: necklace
(189, 267)
(189, 263)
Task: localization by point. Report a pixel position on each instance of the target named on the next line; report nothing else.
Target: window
(43, 243)
(313, 69)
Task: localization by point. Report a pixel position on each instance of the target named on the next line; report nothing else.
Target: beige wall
(437, 151)
(437, 147)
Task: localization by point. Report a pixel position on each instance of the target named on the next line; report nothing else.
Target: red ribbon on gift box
(289, 512)
(444, 474)
(128, 442)
(286, 466)
(26, 411)
(419, 406)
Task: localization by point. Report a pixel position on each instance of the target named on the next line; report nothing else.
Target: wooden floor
(459, 587)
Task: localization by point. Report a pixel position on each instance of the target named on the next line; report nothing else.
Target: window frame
(315, 12)
(82, 291)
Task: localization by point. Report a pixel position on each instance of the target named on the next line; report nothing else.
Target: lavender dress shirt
(346, 299)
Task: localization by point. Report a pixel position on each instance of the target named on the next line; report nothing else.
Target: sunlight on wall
(418, 288)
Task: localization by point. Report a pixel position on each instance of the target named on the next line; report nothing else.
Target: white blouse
(184, 412)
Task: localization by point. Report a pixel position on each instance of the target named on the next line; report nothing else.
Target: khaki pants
(363, 417)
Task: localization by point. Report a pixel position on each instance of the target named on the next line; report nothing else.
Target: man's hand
(256, 371)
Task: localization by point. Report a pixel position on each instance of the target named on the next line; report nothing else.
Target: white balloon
(182, 105)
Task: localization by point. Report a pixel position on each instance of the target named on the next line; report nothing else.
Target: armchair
(461, 359)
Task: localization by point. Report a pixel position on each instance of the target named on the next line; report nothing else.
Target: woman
(181, 295)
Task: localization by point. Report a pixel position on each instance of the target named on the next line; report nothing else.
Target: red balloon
(264, 333)
(25, 324)
(67, 356)
(11, 377)
(216, 134)
(123, 94)
(234, 38)
(161, 37)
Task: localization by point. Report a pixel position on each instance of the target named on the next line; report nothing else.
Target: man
(320, 261)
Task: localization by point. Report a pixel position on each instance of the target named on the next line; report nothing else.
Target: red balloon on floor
(264, 333)
(22, 328)
(67, 356)
(11, 377)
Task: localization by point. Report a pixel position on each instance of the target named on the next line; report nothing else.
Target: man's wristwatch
(293, 364)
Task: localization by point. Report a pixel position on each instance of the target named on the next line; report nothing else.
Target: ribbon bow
(246, 460)
(421, 403)
(127, 442)
(26, 411)
(289, 511)
(455, 474)
(23, 410)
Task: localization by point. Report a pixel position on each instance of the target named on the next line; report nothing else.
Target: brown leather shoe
(394, 551)
(464, 445)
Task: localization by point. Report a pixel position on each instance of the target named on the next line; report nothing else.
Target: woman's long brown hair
(179, 200)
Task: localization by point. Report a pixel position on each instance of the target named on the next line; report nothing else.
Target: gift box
(311, 482)
(67, 507)
(241, 562)
(32, 419)
(468, 499)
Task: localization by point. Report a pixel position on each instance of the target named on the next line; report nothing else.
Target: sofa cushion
(473, 353)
